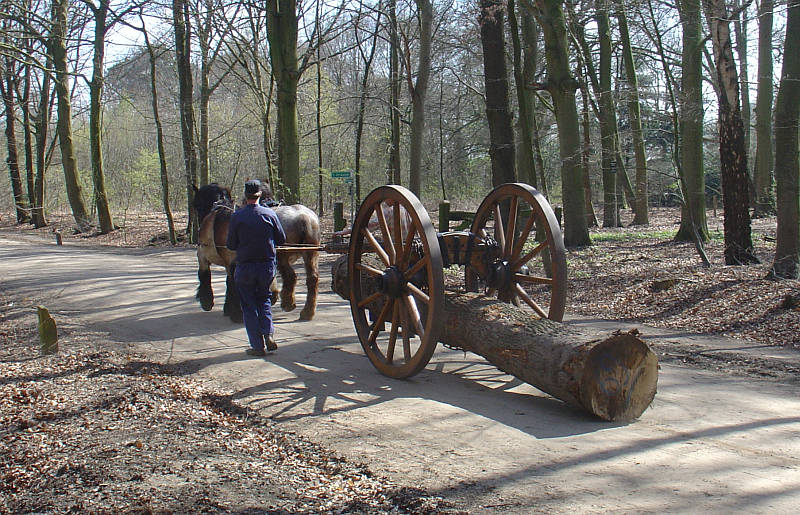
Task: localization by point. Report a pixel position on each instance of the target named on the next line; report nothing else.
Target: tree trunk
(611, 376)
(96, 118)
(182, 24)
(162, 156)
(58, 51)
(318, 106)
(27, 140)
(732, 150)
(740, 28)
(362, 102)
(530, 36)
(418, 93)
(561, 85)
(608, 129)
(640, 215)
(42, 129)
(282, 35)
(394, 102)
(8, 91)
(787, 147)
(693, 214)
(526, 171)
(591, 217)
(764, 200)
(495, 77)
(203, 174)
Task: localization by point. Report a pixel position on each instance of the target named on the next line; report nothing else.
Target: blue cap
(252, 188)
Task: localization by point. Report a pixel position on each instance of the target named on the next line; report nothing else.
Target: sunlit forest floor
(634, 273)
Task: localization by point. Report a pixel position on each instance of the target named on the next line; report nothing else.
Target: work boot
(255, 352)
(269, 342)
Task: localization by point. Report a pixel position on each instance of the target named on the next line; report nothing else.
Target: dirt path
(711, 442)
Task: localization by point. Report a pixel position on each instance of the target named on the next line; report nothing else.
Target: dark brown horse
(214, 208)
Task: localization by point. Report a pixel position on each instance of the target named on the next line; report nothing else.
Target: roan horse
(214, 208)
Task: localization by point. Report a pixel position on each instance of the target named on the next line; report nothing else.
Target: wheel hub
(499, 275)
(392, 282)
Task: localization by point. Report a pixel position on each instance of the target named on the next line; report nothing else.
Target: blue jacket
(253, 233)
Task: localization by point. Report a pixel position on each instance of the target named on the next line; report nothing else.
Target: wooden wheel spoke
(419, 265)
(516, 265)
(511, 228)
(393, 333)
(406, 332)
(413, 314)
(387, 236)
(523, 237)
(377, 247)
(532, 279)
(368, 269)
(499, 235)
(421, 295)
(375, 296)
(376, 326)
(397, 232)
(412, 231)
(530, 302)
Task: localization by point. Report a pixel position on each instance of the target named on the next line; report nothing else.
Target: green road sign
(341, 174)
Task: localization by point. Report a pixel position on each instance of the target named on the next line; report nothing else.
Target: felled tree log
(612, 376)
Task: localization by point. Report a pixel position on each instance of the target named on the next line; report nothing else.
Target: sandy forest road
(460, 429)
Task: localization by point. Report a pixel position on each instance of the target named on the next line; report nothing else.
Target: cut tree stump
(612, 376)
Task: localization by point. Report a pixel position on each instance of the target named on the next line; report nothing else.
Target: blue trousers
(252, 283)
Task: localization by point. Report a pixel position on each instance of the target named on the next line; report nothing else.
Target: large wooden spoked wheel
(531, 270)
(396, 281)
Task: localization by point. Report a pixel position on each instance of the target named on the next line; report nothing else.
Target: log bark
(612, 376)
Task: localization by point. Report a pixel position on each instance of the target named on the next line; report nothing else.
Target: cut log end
(619, 378)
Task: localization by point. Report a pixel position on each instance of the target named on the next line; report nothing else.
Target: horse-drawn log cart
(506, 307)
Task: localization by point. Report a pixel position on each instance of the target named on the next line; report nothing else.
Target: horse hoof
(236, 319)
(288, 307)
(206, 306)
(306, 316)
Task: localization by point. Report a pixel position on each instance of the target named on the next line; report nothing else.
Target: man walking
(253, 233)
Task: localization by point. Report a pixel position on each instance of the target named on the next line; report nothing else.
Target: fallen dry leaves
(655, 281)
(93, 430)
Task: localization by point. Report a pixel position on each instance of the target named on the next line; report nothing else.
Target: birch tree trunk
(732, 150)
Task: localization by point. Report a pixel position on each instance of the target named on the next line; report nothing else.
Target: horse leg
(204, 292)
(311, 263)
(233, 307)
(289, 280)
(274, 291)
